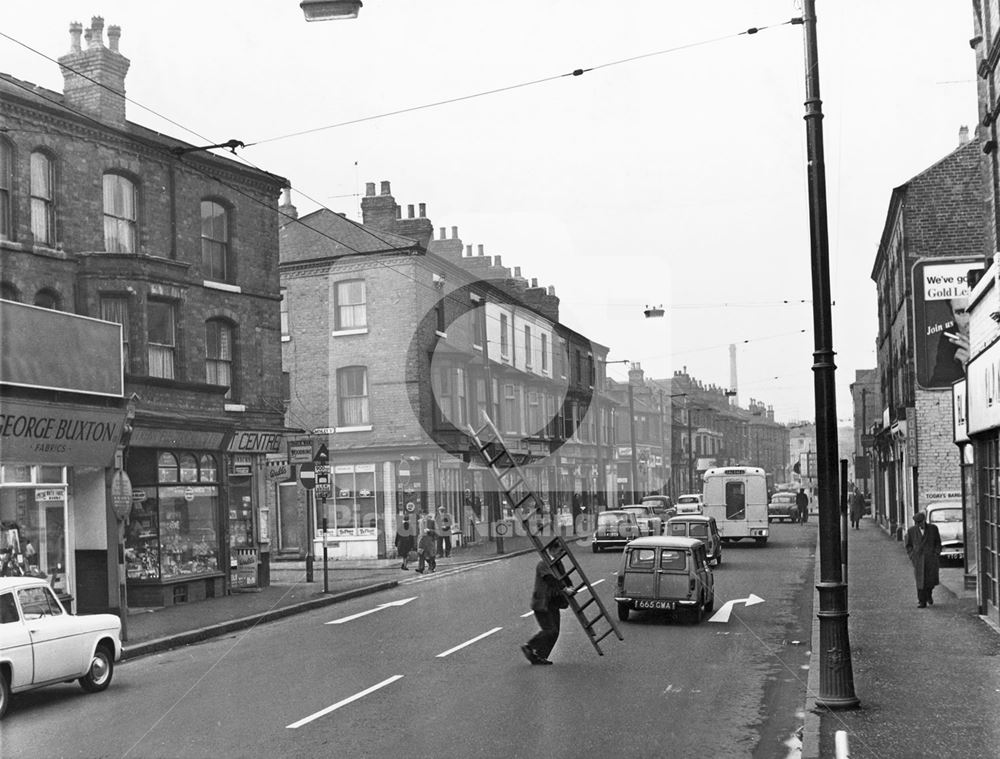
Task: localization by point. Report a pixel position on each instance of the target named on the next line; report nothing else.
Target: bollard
(840, 746)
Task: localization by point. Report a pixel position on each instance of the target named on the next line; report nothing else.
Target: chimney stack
(94, 79)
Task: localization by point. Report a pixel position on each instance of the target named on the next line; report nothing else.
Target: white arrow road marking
(400, 602)
(467, 643)
(345, 702)
(722, 615)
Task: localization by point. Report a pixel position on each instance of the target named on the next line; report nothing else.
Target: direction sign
(322, 480)
(307, 475)
(300, 451)
(722, 615)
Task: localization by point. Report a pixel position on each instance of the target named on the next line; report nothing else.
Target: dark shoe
(529, 653)
(542, 661)
(921, 605)
(420, 571)
(930, 601)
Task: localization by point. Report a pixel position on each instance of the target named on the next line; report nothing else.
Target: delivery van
(737, 497)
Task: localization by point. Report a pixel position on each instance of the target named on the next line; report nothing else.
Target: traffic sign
(322, 480)
(307, 475)
(300, 451)
(867, 440)
(322, 454)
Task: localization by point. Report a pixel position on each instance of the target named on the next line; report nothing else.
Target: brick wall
(937, 455)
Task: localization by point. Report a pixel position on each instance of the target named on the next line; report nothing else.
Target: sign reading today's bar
(33, 432)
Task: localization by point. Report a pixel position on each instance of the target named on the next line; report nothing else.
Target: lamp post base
(836, 675)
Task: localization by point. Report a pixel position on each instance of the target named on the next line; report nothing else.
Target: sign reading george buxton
(48, 433)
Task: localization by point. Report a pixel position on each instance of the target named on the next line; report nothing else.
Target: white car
(40, 644)
(649, 521)
(690, 503)
(947, 517)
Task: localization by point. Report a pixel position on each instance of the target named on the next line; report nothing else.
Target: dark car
(663, 505)
(782, 506)
(614, 529)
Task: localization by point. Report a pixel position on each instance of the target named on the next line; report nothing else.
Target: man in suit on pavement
(923, 546)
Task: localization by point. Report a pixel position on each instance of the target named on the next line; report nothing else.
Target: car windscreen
(678, 528)
(682, 499)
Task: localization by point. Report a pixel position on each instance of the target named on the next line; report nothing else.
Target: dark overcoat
(924, 552)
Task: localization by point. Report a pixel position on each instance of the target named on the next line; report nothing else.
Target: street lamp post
(836, 674)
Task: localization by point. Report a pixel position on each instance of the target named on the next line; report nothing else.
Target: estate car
(665, 573)
(615, 528)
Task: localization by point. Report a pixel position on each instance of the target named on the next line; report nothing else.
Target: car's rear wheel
(696, 613)
(710, 603)
(4, 693)
(594, 547)
(623, 611)
(100, 672)
(761, 542)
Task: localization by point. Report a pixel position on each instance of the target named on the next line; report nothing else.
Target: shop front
(175, 548)
(54, 520)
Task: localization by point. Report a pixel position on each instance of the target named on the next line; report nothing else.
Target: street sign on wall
(300, 451)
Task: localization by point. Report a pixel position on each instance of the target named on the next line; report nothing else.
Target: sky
(672, 172)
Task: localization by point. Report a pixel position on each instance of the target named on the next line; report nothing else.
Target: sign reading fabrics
(940, 320)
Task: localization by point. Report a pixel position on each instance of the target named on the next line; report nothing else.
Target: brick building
(105, 219)
(932, 234)
(395, 342)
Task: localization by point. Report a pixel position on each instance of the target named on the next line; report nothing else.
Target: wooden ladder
(554, 551)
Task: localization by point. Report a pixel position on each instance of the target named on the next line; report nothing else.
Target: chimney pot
(468, 250)
(963, 135)
(75, 32)
(369, 189)
(443, 230)
(97, 31)
(454, 232)
(517, 272)
(422, 210)
(114, 34)
(385, 188)
(480, 249)
(399, 212)
(496, 261)
(552, 290)
(409, 211)
(534, 282)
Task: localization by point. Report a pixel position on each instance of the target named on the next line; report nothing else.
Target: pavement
(928, 680)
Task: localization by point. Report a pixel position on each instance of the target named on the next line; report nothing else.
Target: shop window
(354, 505)
(208, 469)
(167, 468)
(33, 538)
(188, 467)
(173, 532)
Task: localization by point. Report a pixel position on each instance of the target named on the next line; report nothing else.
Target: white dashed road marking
(345, 702)
(468, 643)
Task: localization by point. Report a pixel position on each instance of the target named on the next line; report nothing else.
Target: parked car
(41, 644)
(690, 503)
(700, 527)
(649, 521)
(665, 573)
(782, 506)
(615, 528)
(947, 517)
(663, 505)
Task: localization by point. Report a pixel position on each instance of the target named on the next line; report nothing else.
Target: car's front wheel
(623, 612)
(100, 672)
(4, 693)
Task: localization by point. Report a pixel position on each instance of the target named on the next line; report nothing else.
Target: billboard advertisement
(940, 319)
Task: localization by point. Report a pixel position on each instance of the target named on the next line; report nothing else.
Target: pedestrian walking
(404, 541)
(923, 546)
(548, 598)
(802, 503)
(427, 549)
(443, 533)
(857, 508)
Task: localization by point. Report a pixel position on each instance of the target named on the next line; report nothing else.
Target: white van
(737, 497)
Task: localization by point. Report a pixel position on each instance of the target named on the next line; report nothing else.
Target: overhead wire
(374, 233)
